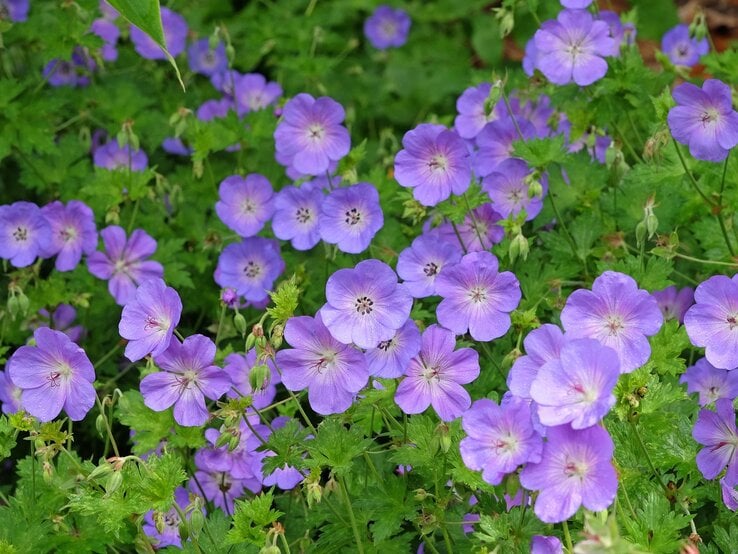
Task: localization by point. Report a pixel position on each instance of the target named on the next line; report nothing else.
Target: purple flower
(572, 48)
(205, 60)
(113, 156)
(175, 36)
(674, 303)
(473, 110)
(507, 186)
(245, 204)
(713, 321)
(434, 162)
(576, 4)
(542, 345)
(477, 297)
(730, 495)
(495, 142)
(251, 267)
(420, 264)
(24, 233)
(350, 217)
(188, 377)
(618, 314)
(10, 394)
(616, 29)
(479, 230)
(542, 544)
(237, 462)
(499, 438)
(225, 81)
(74, 72)
(252, 93)
(61, 319)
(387, 27)
(54, 374)
(681, 48)
(296, 216)
(239, 368)
(436, 375)
(109, 32)
(16, 10)
(530, 59)
(710, 382)
(575, 469)
(576, 387)
(175, 146)
(73, 232)
(169, 535)
(124, 263)
(391, 357)
(219, 487)
(717, 432)
(149, 318)
(331, 372)
(214, 109)
(365, 305)
(310, 134)
(704, 119)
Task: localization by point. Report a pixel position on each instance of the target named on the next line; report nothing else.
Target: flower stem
(107, 426)
(567, 537)
(648, 456)
(220, 323)
(352, 517)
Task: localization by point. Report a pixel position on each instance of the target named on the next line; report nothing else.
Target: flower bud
(100, 425)
(270, 549)
(239, 322)
(233, 442)
(23, 303)
(421, 494)
(113, 482)
(197, 521)
(652, 224)
(518, 247)
(444, 437)
(229, 297)
(259, 377)
(276, 337)
(13, 306)
(641, 232)
(184, 532)
(223, 439)
(102, 470)
(48, 471)
(159, 521)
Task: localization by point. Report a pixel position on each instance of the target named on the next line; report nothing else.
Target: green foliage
(7, 438)
(250, 519)
(335, 446)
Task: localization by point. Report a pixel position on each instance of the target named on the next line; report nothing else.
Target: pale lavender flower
(618, 314)
(577, 387)
(730, 495)
(477, 297)
(704, 119)
(710, 382)
(712, 322)
(616, 29)
(149, 318)
(125, 264)
(542, 544)
(310, 134)
(575, 469)
(499, 438)
(419, 264)
(387, 27)
(542, 345)
(436, 375)
(175, 146)
(10, 394)
(205, 60)
(24, 233)
(674, 303)
(60, 319)
(296, 216)
(681, 48)
(495, 143)
(434, 162)
(245, 203)
(350, 217)
(239, 368)
(473, 109)
(219, 487)
(175, 37)
(252, 93)
(109, 32)
(237, 462)
(365, 305)
(391, 357)
(54, 374)
(576, 4)
(251, 267)
(73, 232)
(214, 109)
(331, 371)
(169, 535)
(716, 431)
(225, 81)
(74, 72)
(479, 230)
(507, 187)
(113, 156)
(573, 47)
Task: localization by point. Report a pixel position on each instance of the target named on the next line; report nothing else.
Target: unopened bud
(257, 330)
(535, 189)
(159, 522)
(259, 377)
(641, 232)
(276, 338)
(652, 224)
(270, 549)
(421, 494)
(100, 425)
(184, 531)
(23, 304)
(13, 307)
(495, 92)
(197, 522)
(239, 322)
(444, 437)
(102, 470)
(518, 247)
(48, 471)
(113, 483)
(223, 439)
(233, 442)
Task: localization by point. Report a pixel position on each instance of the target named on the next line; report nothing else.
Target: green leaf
(250, 519)
(7, 438)
(335, 446)
(540, 152)
(146, 15)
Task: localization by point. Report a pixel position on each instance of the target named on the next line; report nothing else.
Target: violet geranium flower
(188, 377)
(332, 372)
(169, 534)
(245, 203)
(24, 233)
(17, 10)
(365, 305)
(124, 263)
(109, 32)
(674, 303)
(495, 142)
(542, 345)
(113, 156)
(436, 375)
(296, 213)
(681, 48)
(420, 263)
(577, 387)
(10, 394)
(205, 60)
(573, 47)
(479, 230)
(387, 27)
(391, 357)
(175, 37)
(575, 469)
(618, 314)
(507, 187)
(712, 322)
(543, 544)
(239, 368)
(711, 383)
(73, 232)
(473, 110)
(717, 432)
(350, 217)
(310, 133)
(54, 374)
(149, 318)
(434, 162)
(477, 297)
(252, 93)
(251, 267)
(499, 438)
(704, 119)
(61, 319)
